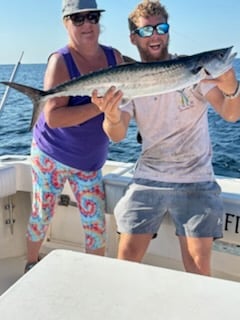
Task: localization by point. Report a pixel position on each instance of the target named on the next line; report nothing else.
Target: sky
(36, 28)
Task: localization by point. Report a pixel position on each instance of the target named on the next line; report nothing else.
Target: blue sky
(36, 28)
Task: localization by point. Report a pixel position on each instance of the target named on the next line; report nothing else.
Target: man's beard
(146, 56)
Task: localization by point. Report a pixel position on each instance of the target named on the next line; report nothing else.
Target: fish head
(214, 63)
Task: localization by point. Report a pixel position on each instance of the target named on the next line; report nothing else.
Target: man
(174, 173)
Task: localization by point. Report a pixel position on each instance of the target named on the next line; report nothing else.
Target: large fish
(137, 79)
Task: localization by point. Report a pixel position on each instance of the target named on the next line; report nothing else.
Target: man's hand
(109, 103)
(227, 82)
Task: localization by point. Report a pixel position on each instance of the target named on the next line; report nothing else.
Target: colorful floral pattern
(49, 177)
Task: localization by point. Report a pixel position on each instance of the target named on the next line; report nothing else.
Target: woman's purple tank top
(84, 146)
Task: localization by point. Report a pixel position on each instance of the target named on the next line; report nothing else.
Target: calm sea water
(15, 137)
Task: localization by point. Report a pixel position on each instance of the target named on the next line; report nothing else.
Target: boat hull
(66, 232)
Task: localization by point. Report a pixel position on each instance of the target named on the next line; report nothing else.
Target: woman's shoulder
(57, 56)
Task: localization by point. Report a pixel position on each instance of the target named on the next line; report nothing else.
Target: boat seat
(7, 181)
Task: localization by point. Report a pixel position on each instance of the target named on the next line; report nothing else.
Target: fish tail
(34, 94)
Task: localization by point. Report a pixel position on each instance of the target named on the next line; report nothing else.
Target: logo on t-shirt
(185, 100)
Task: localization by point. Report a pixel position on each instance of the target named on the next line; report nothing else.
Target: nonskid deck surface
(11, 269)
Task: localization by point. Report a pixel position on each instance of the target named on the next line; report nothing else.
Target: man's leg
(139, 214)
(132, 247)
(198, 216)
(196, 254)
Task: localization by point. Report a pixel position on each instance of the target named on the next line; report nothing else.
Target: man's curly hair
(146, 8)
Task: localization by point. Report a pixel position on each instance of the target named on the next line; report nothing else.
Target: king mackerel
(137, 79)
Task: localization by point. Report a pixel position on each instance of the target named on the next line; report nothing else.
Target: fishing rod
(11, 79)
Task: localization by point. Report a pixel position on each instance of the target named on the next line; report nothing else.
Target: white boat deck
(71, 285)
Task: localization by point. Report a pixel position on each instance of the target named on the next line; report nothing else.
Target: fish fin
(37, 109)
(128, 60)
(34, 94)
(125, 100)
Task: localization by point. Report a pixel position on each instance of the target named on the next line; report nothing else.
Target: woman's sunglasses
(78, 19)
(147, 31)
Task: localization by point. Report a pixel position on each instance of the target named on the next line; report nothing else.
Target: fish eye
(197, 69)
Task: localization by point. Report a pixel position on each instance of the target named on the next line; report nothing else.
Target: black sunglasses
(78, 19)
(147, 31)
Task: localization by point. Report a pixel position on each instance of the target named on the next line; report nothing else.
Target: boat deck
(11, 269)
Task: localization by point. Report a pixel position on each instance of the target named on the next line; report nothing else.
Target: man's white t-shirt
(174, 127)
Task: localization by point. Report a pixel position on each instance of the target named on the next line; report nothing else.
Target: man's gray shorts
(196, 208)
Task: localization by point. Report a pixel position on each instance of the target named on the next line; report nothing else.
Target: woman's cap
(74, 6)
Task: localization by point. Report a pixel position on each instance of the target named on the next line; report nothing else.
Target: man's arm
(117, 131)
(225, 97)
(116, 122)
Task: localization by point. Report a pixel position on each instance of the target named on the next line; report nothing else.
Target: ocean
(15, 137)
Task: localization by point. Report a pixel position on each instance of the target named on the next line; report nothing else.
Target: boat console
(71, 285)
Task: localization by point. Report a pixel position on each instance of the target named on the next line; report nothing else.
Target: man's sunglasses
(147, 31)
(78, 18)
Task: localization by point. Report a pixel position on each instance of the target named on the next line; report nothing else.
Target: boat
(67, 283)
(65, 231)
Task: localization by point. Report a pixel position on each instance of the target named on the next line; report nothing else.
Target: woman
(68, 140)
